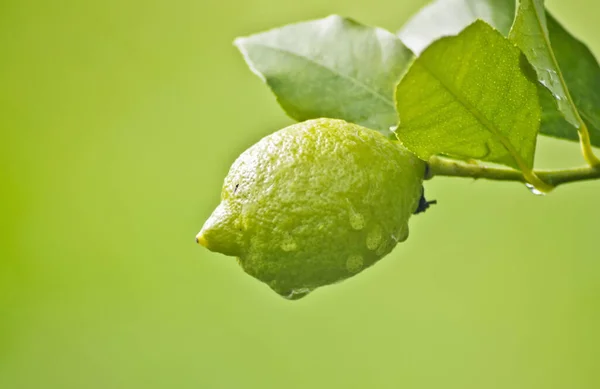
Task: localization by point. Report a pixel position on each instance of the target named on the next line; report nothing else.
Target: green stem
(586, 145)
(439, 166)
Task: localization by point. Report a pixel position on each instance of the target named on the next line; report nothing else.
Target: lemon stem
(439, 166)
(586, 146)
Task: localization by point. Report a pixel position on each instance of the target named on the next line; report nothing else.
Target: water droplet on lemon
(374, 238)
(357, 221)
(354, 263)
(288, 243)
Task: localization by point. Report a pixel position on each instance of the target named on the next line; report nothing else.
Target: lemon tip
(201, 240)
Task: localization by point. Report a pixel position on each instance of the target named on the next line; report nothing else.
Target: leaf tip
(239, 42)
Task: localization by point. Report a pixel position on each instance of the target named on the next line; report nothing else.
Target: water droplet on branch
(534, 190)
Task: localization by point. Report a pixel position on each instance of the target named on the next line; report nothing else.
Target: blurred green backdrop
(118, 122)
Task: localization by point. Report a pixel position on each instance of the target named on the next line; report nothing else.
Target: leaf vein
(376, 94)
(481, 119)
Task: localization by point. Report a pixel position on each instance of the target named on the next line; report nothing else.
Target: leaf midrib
(356, 82)
(480, 118)
(563, 83)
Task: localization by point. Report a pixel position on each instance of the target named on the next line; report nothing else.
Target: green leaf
(580, 69)
(581, 73)
(472, 96)
(333, 67)
(449, 17)
(553, 121)
(530, 33)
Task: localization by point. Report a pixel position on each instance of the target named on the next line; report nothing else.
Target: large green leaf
(581, 74)
(449, 17)
(472, 96)
(333, 67)
(580, 69)
(530, 33)
(553, 121)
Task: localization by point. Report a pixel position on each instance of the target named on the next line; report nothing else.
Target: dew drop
(354, 263)
(401, 234)
(288, 243)
(533, 190)
(296, 294)
(357, 221)
(382, 248)
(374, 238)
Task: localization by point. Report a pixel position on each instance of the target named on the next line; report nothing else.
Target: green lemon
(315, 203)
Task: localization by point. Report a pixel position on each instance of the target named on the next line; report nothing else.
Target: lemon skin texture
(315, 203)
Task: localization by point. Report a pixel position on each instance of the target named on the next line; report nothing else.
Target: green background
(118, 123)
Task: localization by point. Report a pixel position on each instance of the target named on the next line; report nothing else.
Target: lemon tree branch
(439, 166)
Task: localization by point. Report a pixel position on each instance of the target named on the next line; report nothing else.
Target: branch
(439, 166)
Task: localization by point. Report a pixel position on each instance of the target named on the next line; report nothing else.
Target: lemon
(315, 203)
